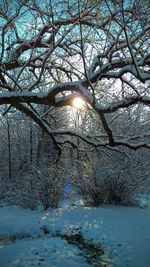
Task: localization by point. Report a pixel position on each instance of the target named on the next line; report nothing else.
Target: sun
(78, 103)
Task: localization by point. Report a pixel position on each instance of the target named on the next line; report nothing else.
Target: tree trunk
(9, 149)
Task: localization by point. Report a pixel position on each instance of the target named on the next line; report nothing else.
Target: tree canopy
(54, 51)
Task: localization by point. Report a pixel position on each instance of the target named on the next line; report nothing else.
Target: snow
(44, 252)
(22, 94)
(123, 231)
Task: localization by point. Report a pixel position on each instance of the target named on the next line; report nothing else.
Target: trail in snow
(124, 231)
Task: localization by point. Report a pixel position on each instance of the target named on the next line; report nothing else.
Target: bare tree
(55, 51)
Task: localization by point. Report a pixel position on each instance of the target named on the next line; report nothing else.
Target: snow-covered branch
(49, 59)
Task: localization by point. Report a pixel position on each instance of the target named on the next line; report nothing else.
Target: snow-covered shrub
(21, 192)
(51, 186)
(114, 181)
(108, 188)
(43, 187)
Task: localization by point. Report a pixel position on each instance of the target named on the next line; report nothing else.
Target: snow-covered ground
(123, 231)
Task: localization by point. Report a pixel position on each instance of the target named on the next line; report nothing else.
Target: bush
(108, 189)
(36, 188)
(113, 183)
(51, 186)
